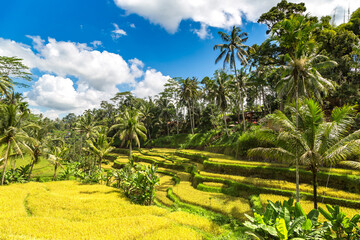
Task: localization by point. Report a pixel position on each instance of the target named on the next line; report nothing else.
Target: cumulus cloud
(203, 32)
(152, 84)
(96, 43)
(75, 77)
(219, 13)
(117, 32)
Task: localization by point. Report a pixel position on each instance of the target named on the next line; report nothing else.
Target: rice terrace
(180, 120)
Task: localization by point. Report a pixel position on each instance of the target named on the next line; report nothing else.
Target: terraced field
(70, 210)
(222, 184)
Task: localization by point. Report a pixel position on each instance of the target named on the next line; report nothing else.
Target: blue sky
(84, 51)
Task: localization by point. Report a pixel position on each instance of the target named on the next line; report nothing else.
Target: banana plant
(339, 226)
(284, 221)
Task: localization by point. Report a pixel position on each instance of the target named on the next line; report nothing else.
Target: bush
(139, 183)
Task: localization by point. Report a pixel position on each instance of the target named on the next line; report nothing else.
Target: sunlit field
(70, 210)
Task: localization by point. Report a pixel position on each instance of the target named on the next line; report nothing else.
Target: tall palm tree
(87, 126)
(316, 140)
(130, 128)
(166, 111)
(56, 157)
(172, 87)
(100, 146)
(221, 93)
(300, 63)
(234, 48)
(189, 92)
(13, 125)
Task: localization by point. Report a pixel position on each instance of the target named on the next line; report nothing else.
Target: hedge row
(192, 156)
(175, 178)
(161, 155)
(235, 189)
(110, 157)
(121, 151)
(350, 183)
(118, 165)
(139, 158)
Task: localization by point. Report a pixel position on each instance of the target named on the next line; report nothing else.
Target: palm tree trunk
(315, 184)
(32, 166)
(100, 160)
(296, 150)
(224, 117)
(193, 115)
(191, 123)
(241, 100)
(130, 153)
(5, 163)
(55, 169)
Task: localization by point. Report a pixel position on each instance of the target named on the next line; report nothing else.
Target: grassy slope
(70, 210)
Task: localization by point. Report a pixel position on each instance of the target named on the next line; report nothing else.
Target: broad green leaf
(281, 229)
(296, 224)
(299, 211)
(313, 215)
(307, 225)
(325, 213)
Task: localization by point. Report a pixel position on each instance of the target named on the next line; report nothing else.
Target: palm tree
(100, 146)
(166, 111)
(221, 93)
(130, 128)
(86, 125)
(11, 67)
(233, 48)
(317, 141)
(172, 87)
(56, 157)
(37, 147)
(12, 125)
(301, 63)
(188, 94)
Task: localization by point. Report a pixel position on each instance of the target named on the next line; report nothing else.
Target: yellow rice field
(218, 202)
(71, 210)
(280, 184)
(218, 157)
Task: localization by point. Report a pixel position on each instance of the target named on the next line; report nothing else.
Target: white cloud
(219, 13)
(100, 70)
(132, 25)
(203, 32)
(76, 77)
(117, 32)
(152, 84)
(96, 43)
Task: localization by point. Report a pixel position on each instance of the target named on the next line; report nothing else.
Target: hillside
(71, 210)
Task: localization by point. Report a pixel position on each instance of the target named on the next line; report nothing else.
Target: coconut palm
(100, 146)
(317, 141)
(12, 67)
(233, 48)
(13, 125)
(166, 111)
(221, 93)
(130, 128)
(56, 157)
(300, 63)
(87, 126)
(188, 93)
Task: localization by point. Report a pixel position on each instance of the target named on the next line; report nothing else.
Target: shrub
(138, 183)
